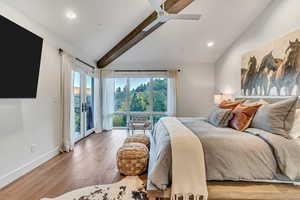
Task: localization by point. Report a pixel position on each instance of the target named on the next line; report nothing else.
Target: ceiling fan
(163, 16)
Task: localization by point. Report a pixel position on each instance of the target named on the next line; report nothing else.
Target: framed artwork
(273, 69)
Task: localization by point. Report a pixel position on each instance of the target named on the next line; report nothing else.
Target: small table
(140, 123)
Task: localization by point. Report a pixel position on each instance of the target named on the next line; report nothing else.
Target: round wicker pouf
(138, 138)
(132, 159)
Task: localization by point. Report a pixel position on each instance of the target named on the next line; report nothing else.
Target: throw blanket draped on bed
(188, 164)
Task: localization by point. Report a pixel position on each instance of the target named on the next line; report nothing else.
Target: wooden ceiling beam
(137, 34)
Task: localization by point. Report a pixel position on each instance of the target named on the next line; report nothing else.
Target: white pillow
(295, 131)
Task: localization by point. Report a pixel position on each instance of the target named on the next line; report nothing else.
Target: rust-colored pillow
(229, 104)
(242, 116)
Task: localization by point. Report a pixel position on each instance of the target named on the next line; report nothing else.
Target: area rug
(129, 188)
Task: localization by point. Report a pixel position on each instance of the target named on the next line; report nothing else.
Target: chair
(138, 122)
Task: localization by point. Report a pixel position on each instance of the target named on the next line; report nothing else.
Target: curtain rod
(79, 60)
(140, 70)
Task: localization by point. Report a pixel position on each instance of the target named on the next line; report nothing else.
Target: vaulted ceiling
(102, 23)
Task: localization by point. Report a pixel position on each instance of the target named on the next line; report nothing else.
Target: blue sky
(77, 80)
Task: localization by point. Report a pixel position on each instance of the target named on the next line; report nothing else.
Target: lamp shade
(218, 98)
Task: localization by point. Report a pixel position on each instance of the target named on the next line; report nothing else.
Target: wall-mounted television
(20, 58)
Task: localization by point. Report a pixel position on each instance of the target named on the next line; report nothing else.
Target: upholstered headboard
(267, 99)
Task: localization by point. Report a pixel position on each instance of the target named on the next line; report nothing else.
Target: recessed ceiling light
(210, 44)
(70, 14)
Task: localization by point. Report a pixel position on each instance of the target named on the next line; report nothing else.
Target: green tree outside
(140, 100)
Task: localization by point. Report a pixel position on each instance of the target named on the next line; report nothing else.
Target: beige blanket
(188, 165)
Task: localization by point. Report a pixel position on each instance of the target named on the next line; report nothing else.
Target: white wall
(195, 93)
(27, 122)
(279, 18)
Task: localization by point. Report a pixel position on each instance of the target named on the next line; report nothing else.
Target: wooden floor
(93, 162)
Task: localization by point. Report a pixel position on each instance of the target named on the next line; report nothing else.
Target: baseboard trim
(21, 171)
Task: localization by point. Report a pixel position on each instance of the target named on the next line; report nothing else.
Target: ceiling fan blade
(156, 5)
(154, 23)
(184, 16)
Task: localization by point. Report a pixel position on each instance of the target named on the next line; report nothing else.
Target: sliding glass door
(77, 105)
(89, 105)
(83, 94)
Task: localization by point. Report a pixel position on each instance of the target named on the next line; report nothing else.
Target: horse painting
(268, 65)
(260, 77)
(288, 71)
(272, 77)
(248, 83)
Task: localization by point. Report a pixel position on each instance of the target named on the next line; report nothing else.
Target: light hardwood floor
(93, 162)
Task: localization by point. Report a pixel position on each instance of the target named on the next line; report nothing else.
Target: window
(119, 120)
(77, 103)
(120, 103)
(139, 96)
(89, 102)
(160, 91)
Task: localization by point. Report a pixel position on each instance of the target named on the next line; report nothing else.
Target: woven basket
(132, 159)
(138, 138)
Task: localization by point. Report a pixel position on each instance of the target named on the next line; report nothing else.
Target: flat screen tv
(20, 57)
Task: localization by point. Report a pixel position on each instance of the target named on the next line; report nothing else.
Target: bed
(230, 155)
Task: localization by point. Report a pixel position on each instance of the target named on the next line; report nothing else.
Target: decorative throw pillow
(220, 117)
(242, 116)
(229, 104)
(277, 118)
(295, 131)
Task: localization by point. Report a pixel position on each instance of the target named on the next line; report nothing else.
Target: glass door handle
(83, 107)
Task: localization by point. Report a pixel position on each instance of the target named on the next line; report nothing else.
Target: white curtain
(108, 89)
(172, 93)
(98, 100)
(67, 102)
